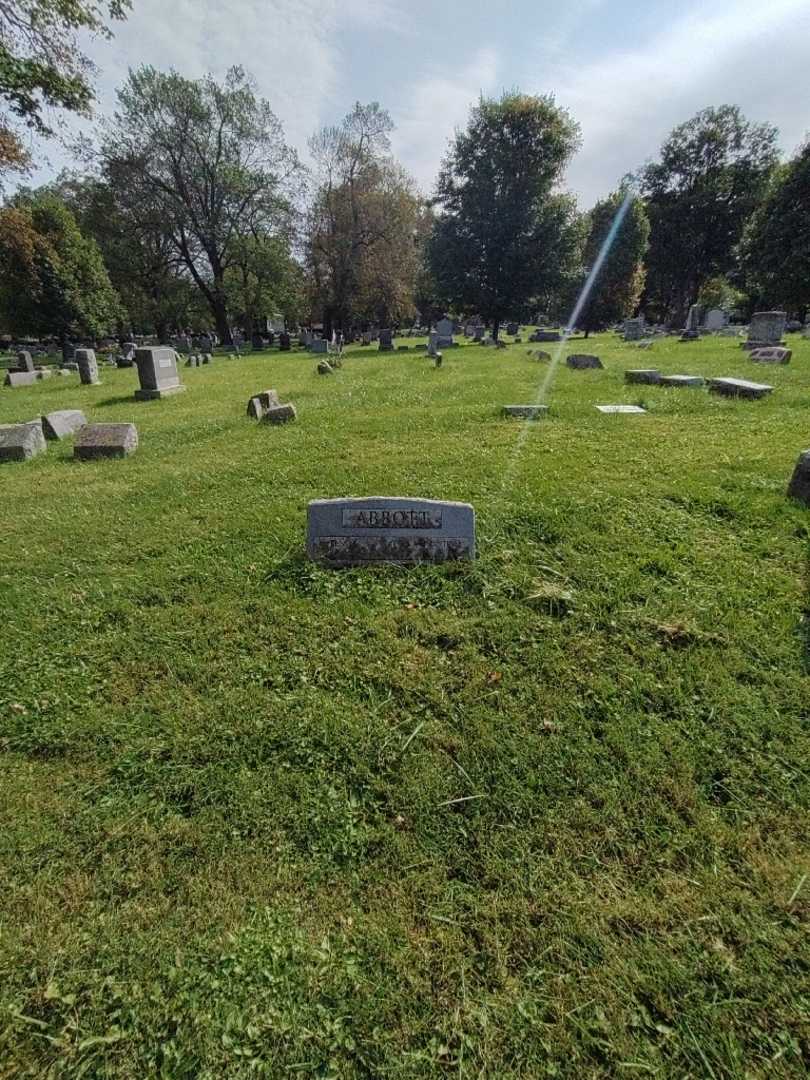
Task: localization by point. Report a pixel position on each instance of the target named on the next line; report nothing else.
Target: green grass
(233, 843)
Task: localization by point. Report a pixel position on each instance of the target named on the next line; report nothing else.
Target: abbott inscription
(356, 532)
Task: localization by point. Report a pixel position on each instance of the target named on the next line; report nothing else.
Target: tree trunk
(219, 310)
(587, 331)
(65, 344)
(496, 325)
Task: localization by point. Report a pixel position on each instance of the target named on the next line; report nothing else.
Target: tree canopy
(617, 288)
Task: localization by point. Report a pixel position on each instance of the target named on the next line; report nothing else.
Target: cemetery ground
(543, 814)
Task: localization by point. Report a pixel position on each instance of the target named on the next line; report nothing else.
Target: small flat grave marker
(649, 376)
(739, 388)
(581, 361)
(681, 380)
(773, 355)
(620, 409)
(358, 532)
(63, 422)
(279, 414)
(105, 441)
(526, 412)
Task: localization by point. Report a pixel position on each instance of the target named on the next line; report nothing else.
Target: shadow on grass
(122, 399)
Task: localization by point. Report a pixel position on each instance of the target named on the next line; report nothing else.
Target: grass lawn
(544, 814)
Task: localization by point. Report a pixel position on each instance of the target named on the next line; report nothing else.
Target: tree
(493, 245)
(776, 246)
(362, 223)
(712, 174)
(41, 65)
(616, 289)
(264, 279)
(718, 292)
(210, 160)
(52, 279)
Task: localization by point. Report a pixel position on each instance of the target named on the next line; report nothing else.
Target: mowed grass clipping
(544, 814)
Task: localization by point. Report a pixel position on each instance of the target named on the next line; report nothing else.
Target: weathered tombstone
(284, 341)
(692, 329)
(63, 422)
(261, 402)
(433, 343)
(525, 412)
(88, 367)
(20, 442)
(766, 328)
(24, 361)
(729, 387)
(357, 532)
(279, 414)
(650, 376)
(681, 380)
(478, 333)
(716, 319)
(634, 329)
(444, 328)
(512, 328)
(105, 441)
(319, 345)
(157, 372)
(799, 486)
(20, 378)
(775, 354)
(546, 335)
(580, 361)
(386, 341)
(254, 409)
(620, 409)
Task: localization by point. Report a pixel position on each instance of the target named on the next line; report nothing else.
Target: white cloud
(440, 101)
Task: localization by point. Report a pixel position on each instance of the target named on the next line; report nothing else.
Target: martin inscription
(356, 532)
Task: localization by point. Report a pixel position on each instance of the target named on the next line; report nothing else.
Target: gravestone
(739, 388)
(766, 328)
(580, 361)
(525, 412)
(620, 409)
(546, 335)
(88, 367)
(20, 442)
(799, 486)
(24, 361)
(157, 372)
(386, 341)
(681, 380)
(318, 346)
(775, 354)
(512, 328)
(63, 422)
(478, 333)
(279, 414)
(633, 329)
(806, 331)
(20, 378)
(649, 376)
(715, 319)
(105, 441)
(692, 329)
(325, 368)
(284, 342)
(357, 532)
(261, 402)
(444, 328)
(254, 409)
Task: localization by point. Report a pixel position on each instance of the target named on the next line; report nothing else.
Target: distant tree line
(195, 213)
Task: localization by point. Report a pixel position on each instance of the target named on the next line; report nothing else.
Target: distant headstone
(261, 402)
(739, 388)
(620, 409)
(319, 345)
(20, 378)
(799, 486)
(24, 361)
(633, 329)
(525, 412)
(105, 441)
(478, 333)
(774, 354)
(386, 341)
(546, 335)
(692, 329)
(716, 319)
(766, 328)
(284, 342)
(650, 376)
(681, 380)
(254, 409)
(279, 414)
(579, 361)
(357, 532)
(88, 367)
(512, 328)
(63, 422)
(157, 372)
(20, 442)
(444, 328)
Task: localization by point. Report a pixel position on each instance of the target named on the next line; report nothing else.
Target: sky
(627, 70)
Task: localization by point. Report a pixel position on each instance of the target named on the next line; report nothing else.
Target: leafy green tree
(210, 161)
(494, 244)
(52, 279)
(361, 228)
(42, 66)
(617, 288)
(264, 279)
(712, 174)
(776, 246)
(718, 292)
